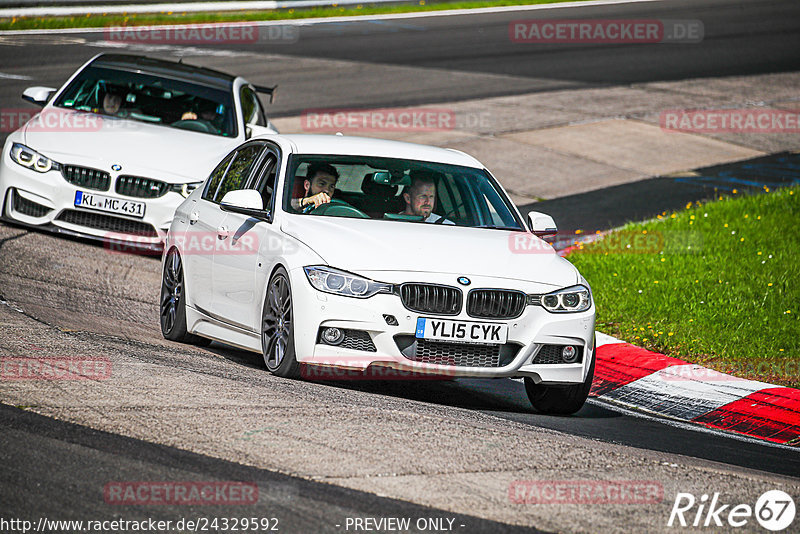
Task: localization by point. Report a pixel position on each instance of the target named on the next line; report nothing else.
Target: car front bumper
(46, 200)
(527, 334)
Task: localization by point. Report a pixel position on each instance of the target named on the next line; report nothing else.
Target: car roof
(368, 146)
(166, 69)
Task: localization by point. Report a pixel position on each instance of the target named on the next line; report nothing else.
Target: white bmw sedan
(353, 253)
(115, 150)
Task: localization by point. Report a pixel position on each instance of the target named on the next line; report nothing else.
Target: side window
(239, 170)
(265, 179)
(251, 107)
(216, 178)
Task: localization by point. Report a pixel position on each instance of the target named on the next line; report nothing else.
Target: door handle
(222, 232)
(194, 217)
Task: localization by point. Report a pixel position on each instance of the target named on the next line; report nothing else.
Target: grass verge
(148, 19)
(715, 284)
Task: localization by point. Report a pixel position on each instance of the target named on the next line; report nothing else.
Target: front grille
(86, 177)
(136, 186)
(107, 222)
(353, 339)
(430, 298)
(495, 303)
(550, 354)
(456, 354)
(30, 208)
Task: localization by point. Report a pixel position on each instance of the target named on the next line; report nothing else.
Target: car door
(240, 265)
(199, 240)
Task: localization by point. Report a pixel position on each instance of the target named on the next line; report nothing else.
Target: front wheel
(560, 400)
(277, 327)
(173, 302)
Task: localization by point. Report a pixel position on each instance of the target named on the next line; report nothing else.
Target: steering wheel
(444, 217)
(336, 208)
(195, 125)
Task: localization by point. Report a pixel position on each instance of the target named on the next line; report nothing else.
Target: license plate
(92, 201)
(461, 331)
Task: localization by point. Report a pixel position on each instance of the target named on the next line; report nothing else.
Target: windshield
(153, 99)
(399, 190)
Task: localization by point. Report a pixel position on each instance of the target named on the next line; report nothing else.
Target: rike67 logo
(774, 510)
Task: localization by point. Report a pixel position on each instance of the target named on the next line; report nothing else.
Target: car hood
(148, 150)
(359, 245)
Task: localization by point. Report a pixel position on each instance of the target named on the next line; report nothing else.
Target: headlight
(330, 280)
(185, 189)
(567, 300)
(31, 159)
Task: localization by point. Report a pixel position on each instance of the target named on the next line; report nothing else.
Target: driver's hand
(318, 200)
(189, 116)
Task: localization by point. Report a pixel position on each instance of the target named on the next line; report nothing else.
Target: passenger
(420, 196)
(318, 186)
(112, 102)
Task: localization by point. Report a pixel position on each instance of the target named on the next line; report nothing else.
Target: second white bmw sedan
(354, 253)
(114, 151)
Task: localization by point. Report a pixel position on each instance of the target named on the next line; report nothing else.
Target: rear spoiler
(268, 90)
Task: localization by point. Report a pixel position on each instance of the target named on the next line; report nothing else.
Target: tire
(277, 327)
(173, 303)
(560, 400)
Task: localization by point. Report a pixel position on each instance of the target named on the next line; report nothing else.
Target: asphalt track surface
(745, 38)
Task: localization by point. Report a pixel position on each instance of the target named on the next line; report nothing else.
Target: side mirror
(541, 224)
(38, 95)
(244, 201)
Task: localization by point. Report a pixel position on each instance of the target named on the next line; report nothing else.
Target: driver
(318, 186)
(420, 196)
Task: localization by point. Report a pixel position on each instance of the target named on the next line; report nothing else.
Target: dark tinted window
(216, 178)
(152, 99)
(239, 170)
(251, 108)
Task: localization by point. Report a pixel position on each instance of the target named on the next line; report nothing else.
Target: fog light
(391, 320)
(332, 336)
(569, 354)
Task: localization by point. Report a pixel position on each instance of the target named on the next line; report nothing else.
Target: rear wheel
(277, 327)
(173, 302)
(560, 400)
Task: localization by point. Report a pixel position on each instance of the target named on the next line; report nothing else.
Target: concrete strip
(636, 146)
(551, 144)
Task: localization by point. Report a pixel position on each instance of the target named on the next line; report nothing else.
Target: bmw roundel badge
(116, 167)
(464, 281)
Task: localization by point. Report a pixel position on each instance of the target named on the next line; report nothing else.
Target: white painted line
(358, 18)
(685, 391)
(14, 76)
(605, 339)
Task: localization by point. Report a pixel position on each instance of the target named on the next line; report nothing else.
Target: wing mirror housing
(541, 224)
(245, 201)
(38, 95)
